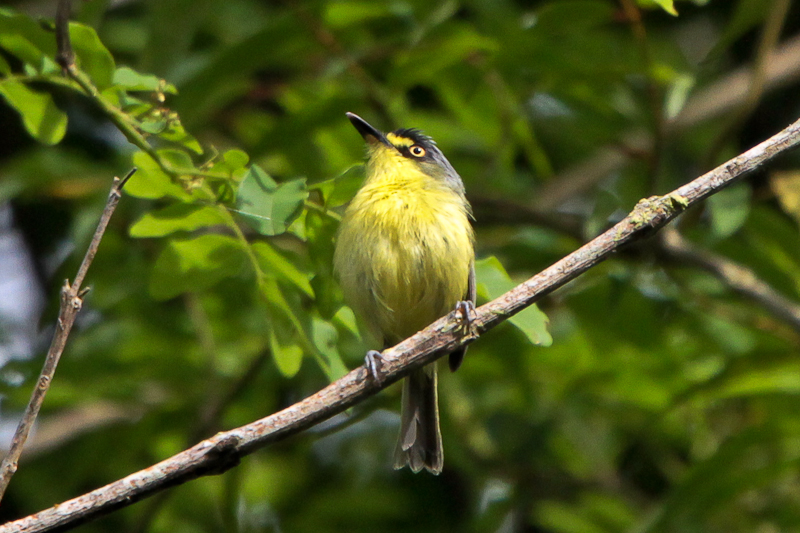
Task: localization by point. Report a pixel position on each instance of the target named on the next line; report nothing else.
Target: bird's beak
(370, 134)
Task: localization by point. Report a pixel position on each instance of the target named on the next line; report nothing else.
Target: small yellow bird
(405, 258)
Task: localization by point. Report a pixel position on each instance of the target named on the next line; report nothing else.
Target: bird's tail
(419, 444)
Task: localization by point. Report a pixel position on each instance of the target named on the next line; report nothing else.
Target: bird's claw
(466, 309)
(373, 361)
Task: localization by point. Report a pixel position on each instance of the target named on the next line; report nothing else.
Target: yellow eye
(417, 150)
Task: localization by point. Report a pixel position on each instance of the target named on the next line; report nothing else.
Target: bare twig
(739, 278)
(223, 451)
(131, 129)
(71, 302)
(66, 59)
(65, 56)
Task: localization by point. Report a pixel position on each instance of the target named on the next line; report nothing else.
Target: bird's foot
(466, 310)
(373, 361)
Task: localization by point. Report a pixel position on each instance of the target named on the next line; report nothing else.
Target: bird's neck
(395, 172)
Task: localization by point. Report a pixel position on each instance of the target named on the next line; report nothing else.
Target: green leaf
(176, 217)
(274, 263)
(557, 516)
(346, 318)
(493, 281)
(320, 234)
(729, 209)
(43, 120)
(581, 16)
(176, 133)
(286, 323)
(267, 207)
(734, 337)
(666, 5)
(232, 165)
(131, 80)
(233, 162)
(93, 57)
(288, 356)
(341, 189)
(195, 264)
(153, 126)
(21, 48)
(343, 14)
(325, 337)
(177, 159)
(680, 87)
(771, 242)
(27, 40)
(151, 182)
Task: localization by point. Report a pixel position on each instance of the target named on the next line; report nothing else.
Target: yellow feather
(405, 247)
(404, 258)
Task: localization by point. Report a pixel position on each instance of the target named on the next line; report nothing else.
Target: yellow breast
(404, 250)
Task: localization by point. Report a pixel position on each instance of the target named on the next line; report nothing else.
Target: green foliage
(195, 264)
(93, 57)
(728, 210)
(492, 282)
(176, 217)
(267, 207)
(666, 5)
(41, 117)
(656, 398)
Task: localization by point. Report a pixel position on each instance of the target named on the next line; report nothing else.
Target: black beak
(370, 134)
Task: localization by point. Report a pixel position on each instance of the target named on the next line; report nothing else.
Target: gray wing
(457, 356)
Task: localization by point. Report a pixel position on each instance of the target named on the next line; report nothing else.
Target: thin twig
(129, 127)
(71, 302)
(224, 450)
(737, 277)
(65, 56)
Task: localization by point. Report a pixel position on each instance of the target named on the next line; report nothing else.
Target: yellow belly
(403, 255)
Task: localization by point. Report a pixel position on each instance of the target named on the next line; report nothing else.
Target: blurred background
(668, 399)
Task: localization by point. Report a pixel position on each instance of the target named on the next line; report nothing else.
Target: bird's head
(405, 149)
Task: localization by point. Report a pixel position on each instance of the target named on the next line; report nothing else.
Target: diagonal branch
(223, 451)
(71, 302)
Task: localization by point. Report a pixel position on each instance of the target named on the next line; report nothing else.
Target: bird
(405, 257)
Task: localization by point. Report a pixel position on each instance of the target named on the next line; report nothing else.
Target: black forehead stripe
(415, 135)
